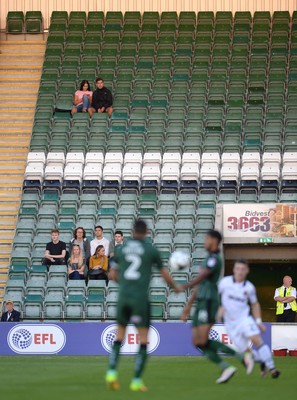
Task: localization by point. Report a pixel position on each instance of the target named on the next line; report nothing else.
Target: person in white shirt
(285, 297)
(99, 240)
(238, 299)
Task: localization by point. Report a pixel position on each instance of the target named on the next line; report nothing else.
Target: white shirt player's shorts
(240, 332)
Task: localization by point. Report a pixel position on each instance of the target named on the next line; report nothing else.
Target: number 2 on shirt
(132, 272)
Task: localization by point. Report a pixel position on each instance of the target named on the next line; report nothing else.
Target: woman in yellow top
(98, 266)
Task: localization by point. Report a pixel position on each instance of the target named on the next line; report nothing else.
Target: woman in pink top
(82, 98)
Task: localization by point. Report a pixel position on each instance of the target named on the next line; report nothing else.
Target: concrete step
(20, 50)
(27, 89)
(12, 68)
(18, 114)
(14, 75)
(17, 151)
(8, 149)
(8, 211)
(11, 169)
(16, 118)
(12, 80)
(11, 180)
(20, 158)
(8, 60)
(27, 101)
(6, 236)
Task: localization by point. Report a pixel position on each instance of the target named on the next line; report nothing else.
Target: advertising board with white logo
(36, 339)
(131, 342)
(96, 338)
(284, 336)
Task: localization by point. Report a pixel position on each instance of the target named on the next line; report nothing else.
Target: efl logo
(219, 333)
(131, 342)
(36, 339)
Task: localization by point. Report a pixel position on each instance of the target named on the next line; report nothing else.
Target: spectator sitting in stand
(118, 241)
(99, 239)
(79, 237)
(101, 100)
(76, 264)
(82, 98)
(11, 315)
(55, 251)
(98, 265)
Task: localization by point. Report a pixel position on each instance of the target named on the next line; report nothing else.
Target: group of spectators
(86, 259)
(99, 101)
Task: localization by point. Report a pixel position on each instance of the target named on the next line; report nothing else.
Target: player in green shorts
(206, 298)
(132, 268)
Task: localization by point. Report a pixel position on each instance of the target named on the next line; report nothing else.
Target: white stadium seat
(114, 158)
(112, 172)
(93, 171)
(55, 158)
(93, 157)
(34, 171)
(289, 171)
(209, 171)
(53, 172)
(230, 158)
(270, 171)
(191, 158)
(251, 158)
(131, 172)
(211, 158)
(77, 158)
(289, 157)
(36, 157)
(73, 172)
(131, 158)
(250, 171)
(271, 158)
(189, 171)
(171, 158)
(170, 172)
(154, 158)
(151, 172)
(229, 171)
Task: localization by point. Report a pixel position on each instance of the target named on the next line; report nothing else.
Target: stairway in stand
(20, 70)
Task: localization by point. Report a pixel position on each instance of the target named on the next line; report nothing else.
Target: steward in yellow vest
(285, 297)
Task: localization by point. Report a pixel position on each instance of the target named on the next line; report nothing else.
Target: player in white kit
(238, 301)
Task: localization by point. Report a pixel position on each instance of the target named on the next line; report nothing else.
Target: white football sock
(266, 356)
(256, 356)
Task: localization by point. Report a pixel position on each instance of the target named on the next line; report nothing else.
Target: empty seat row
(133, 167)
(17, 22)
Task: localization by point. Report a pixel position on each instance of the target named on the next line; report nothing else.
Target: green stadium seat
(18, 271)
(94, 307)
(15, 22)
(33, 306)
(59, 15)
(53, 306)
(38, 273)
(15, 287)
(74, 306)
(96, 288)
(33, 22)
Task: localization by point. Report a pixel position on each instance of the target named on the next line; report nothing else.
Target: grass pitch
(168, 378)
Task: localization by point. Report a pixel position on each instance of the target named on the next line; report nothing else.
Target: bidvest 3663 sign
(260, 221)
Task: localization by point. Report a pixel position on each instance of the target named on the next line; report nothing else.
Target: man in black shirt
(101, 99)
(55, 251)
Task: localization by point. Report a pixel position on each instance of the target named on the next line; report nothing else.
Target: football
(179, 260)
